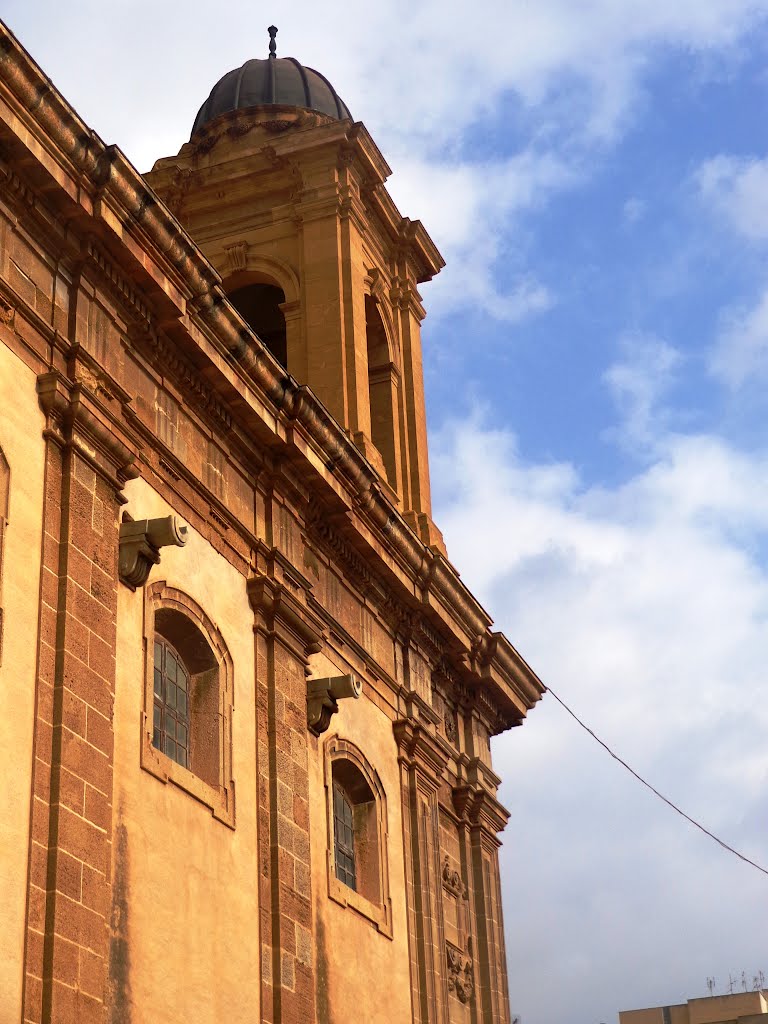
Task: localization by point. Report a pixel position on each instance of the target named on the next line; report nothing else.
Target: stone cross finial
(272, 44)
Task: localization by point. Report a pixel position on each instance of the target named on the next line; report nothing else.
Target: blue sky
(596, 174)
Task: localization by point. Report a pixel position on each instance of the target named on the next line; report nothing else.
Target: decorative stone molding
(140, 544)
(323, 696)
(118, 285)
(7, 313)
(237, 256)
(478, 809)
(461, 974)
(277, 606)
(167, 358)
(75, 419)
(419, 749)
(452, 880)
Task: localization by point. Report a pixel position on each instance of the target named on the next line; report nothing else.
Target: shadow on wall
(119, 952)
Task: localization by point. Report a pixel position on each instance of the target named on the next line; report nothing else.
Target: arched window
(357, 829)
(5, 488)
(188, 700)
(382, 389)
(259, 305)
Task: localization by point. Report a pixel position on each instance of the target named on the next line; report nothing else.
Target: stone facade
(171, 846)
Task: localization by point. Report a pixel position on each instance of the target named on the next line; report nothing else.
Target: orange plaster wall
(362, 974)
(190, 882)
(21, 428)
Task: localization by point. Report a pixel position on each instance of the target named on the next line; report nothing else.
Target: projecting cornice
(94, 187)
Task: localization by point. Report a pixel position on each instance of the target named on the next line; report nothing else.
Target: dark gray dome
(274, 81)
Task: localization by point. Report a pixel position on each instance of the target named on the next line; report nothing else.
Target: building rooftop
(273, 81)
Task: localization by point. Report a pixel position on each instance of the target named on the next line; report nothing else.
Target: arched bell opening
(382, 390)
(259, 305)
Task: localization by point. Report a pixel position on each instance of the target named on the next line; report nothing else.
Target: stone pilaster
(422, 763)
(68, 915)
(285, 636)
(482, 818)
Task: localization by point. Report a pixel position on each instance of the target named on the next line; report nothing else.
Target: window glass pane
(344, 838)
(170, 721)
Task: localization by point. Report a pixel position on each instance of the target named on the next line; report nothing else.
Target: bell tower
(285, 195)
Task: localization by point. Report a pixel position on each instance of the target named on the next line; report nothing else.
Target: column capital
(76, 419)
(420, 750)
(479, 810)
(282, 612)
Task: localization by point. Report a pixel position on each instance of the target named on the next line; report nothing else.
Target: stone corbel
(140, 544)
(323, 696)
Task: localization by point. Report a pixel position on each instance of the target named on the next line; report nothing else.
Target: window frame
(220, 798)
(378, 911)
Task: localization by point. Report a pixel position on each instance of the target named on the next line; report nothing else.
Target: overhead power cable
(655, 791)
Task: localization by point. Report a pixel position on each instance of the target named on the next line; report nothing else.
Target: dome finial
(272, 44)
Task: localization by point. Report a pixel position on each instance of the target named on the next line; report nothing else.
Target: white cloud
(737, 189)
(638, 383)
(645, 606)
(469, 210)
(740, 354)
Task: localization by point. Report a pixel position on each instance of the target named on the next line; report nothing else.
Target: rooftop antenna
(711, 986)
(272, 44)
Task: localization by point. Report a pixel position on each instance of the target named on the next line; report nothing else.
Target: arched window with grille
(357, 833)
(188, 700)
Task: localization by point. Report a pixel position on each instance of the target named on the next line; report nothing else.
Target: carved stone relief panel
(459, 959)
(461, 973)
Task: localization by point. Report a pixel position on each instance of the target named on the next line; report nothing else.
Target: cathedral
(247, 700)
